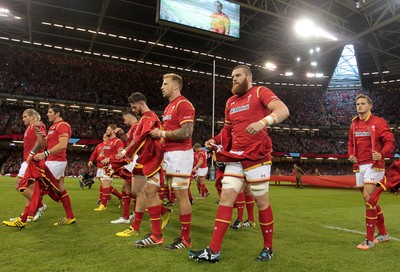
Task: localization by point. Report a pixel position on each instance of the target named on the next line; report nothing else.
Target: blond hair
(34, 113)
(369, 100)
(176, 78)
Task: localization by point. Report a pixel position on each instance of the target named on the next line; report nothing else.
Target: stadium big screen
(218, 18)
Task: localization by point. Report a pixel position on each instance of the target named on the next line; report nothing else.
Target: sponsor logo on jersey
(239, 109)
(167, 117)
(362, 133)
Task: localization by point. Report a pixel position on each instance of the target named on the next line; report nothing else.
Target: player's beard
(239, 89)
(139, 112)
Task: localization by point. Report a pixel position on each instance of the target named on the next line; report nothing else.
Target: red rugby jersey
(56, 131)
(30, 139)
(178, 112)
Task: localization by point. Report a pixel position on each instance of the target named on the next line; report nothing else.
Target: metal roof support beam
(29, 18)
(100, 19)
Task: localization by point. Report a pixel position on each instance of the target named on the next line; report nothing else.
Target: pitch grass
(305, 235)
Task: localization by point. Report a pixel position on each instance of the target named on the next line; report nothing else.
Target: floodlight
(306, 28)
(270, 66)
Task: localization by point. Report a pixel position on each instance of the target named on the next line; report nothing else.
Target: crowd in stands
(84, 124)
(67, 77)
(11, 161)
(330, 168)
(77, 161)
(59, 76)
(307, 143)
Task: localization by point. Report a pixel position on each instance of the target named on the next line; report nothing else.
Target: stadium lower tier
(324, 181)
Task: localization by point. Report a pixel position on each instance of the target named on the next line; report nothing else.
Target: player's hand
(119, 131)
(39, 156)
(209, 143)
(353, 159)
(29, 159)
(105, 161)
(255, 127)
(119, 156)
(154, 133)
(38, 125)
(90, 163)
(376, 156)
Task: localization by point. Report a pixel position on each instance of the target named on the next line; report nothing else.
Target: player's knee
(105, 178)
(259, 189)
(235, 183)
(154, 180)
(179, 183)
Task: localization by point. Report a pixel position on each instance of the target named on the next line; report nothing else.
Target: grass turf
(316, 229)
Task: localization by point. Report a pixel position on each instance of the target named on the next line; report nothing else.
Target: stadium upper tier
(57, 76)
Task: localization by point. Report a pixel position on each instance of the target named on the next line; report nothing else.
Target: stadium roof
(127, 29)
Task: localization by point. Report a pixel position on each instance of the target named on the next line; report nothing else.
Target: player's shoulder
(183, 101)
(378, 119)
(231, 99)
(63, 124)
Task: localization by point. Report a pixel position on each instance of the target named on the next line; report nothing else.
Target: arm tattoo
(182, 133)
(36, 148)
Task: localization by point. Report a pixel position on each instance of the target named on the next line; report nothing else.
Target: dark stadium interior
(266, 33)
(93, 54)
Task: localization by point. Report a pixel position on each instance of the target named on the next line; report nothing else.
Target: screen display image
(218, 17)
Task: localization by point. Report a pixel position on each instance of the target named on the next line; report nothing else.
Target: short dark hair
(197, 145)
(128, 112)
(137, 97)
(113, 126)
(58, 109)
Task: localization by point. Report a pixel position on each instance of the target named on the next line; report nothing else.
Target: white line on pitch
(358, 232)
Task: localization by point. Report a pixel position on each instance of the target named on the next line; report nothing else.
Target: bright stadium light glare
(314, 63)
(289, 73)
(303, 26)
(298, 59)
(4, 10)
(306, 28)
(270, 66)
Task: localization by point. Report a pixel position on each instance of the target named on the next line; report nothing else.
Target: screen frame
(193, 29)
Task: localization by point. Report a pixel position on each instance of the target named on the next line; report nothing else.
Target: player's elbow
(284, 113)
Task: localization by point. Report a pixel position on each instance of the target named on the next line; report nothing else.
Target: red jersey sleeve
(185, 112)
(119, 145)
(95, 154)
(43, 129)
(203, 155)
(64, 130)
(266, 96)
(350, 142)
(387, 138)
